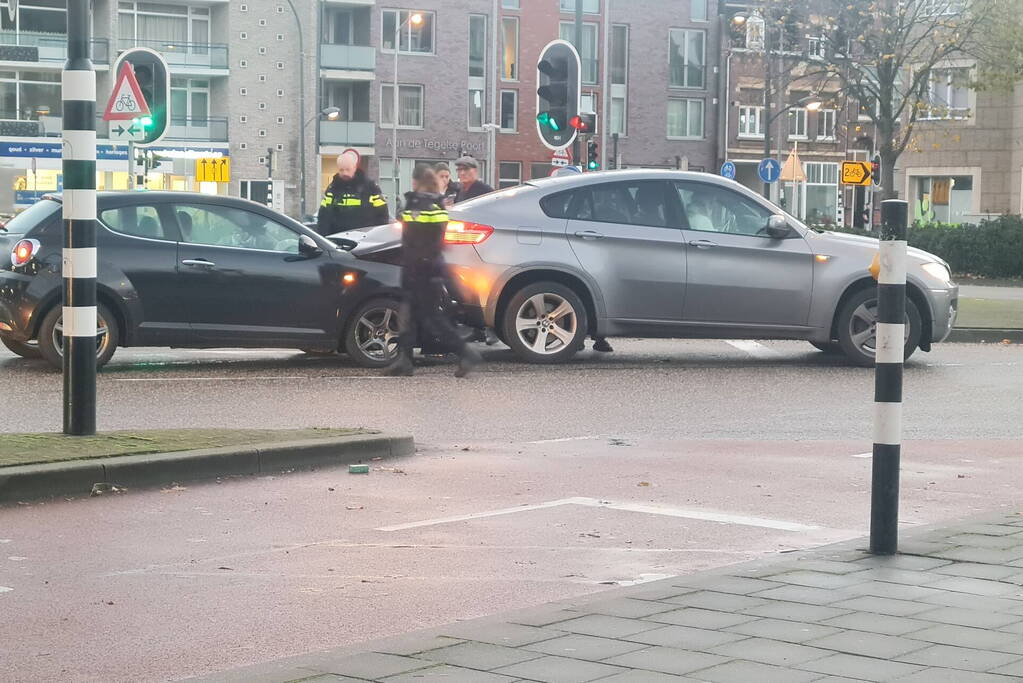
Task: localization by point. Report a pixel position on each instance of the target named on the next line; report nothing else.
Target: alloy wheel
(376, 333)
(102, 338)
(863, 327)
(546, 323)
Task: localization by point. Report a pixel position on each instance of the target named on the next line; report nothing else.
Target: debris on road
(100, 488)
(358, 469)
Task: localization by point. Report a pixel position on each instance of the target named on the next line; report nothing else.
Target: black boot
(400, 366)
(600, 345)
(469, 359)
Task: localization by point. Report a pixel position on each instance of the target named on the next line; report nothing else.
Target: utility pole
(79, 211)
(768, 95)
(579, 48)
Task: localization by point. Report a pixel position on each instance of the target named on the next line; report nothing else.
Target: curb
(990, 335)
(71, 478)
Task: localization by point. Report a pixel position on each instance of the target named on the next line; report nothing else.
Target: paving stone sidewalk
(948, 609)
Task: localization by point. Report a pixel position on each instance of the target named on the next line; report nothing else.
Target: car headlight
(938, 271)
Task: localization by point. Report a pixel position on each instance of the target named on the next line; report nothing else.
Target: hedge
(993, 248)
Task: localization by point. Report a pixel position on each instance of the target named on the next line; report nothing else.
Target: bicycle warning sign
(126, 101)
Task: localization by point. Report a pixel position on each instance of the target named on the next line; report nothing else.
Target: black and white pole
(78, 83)
(890, 354)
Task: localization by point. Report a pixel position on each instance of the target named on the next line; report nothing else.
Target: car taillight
(465, 232)
(23, 252)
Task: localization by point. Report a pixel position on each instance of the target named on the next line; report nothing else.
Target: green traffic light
(545, 119)
(147, 121)
(593, 165)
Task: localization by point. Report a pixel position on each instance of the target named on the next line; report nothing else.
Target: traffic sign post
(728, 170)
(141, 97)
(769, 170)
(561, 158)
(856, 173)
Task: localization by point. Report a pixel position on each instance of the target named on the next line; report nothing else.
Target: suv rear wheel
(545, 323)
(51, 336)
(29, 349)
(857, 325)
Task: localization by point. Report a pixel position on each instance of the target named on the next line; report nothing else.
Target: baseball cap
(467, 161)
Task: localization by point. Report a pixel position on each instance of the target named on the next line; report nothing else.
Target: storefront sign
(438, 145)
(52, 150)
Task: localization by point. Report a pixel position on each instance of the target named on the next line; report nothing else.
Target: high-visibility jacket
(350, 205)
(423, 222)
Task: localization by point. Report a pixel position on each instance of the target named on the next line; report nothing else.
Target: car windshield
(35, 215)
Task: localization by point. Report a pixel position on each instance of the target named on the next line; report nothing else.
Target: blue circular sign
(728, 170)
(769, 170)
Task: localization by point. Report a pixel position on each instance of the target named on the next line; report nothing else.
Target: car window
(716, 209)
(40, 213)
(225, 226)
(139, 220)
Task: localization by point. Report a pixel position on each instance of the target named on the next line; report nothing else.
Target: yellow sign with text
(856, 173)
(213, 170)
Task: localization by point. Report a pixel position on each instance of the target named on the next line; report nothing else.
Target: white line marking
(567, 438)
(646, 508)
(5, 589)
(864, 455)
(644, 578)
(755, 349)
(237, 379)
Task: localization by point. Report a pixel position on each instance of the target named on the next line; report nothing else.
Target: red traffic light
(580, 124)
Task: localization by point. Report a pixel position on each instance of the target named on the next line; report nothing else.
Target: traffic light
(557, 98)
(584, 122)
(875, 170)
(151, 73)
(592, 156)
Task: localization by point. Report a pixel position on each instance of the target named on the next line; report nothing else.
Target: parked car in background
(198, 271)
(653, 253)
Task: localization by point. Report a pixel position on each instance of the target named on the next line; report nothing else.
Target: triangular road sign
(126, 101)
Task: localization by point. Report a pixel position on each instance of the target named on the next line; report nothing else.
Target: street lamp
(328, 113)
(413, 20)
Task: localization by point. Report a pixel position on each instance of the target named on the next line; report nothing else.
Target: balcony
(209, 129)
(348, 57)
(353, 133)
(47, 48)
(184, 55)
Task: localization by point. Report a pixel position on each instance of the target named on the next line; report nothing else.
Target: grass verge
(990, 313)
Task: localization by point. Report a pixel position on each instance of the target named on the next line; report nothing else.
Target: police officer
(352, 200)
(422, 278)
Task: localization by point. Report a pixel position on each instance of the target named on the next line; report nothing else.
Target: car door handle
(703, 244)
(589, 234)
(199, 263)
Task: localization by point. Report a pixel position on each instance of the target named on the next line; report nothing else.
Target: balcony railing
(52, 47)
(202, 55)
(209, 129)
(354, 57)
(347, 133)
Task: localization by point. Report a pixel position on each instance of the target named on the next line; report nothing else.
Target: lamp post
(301, 111)
(492, 175)
(414, 20)
(329, 113)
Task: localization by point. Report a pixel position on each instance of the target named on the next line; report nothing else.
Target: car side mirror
(777, 227)
(308, 247)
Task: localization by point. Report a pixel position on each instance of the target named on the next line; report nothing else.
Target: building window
(948, 94)
(510, 174)
(617, 115)
(943, 199)
(280, 65)
(477, 45)
(619, 54)
(243, 36)
(262, 22)
(243, 145)
(685, 118)
(261, 51)
(686, 58)
(280, 120)
(589, 6)
(243, 63)
(510, 49)
(797, 124)
(935, 8)
(262, 78)
(280, 92)
(413, 38)
(243, 91)
(751, 122)
(826, 119)
(588, 54)
(476, 109)
(698, 10)
(280, 147)
(190, 102)
(510, 4)
(588, 102)
(242, 118)
(163, 26)
(280, 37)
(509, 111)
(815, 46)
(821, 193)
(262, 106)
(243, 8)
(31, 95)
(410, 106)
(540, 169)
(262, 132)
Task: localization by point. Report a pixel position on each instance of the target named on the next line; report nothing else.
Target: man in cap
(352, 200)
(468, 170)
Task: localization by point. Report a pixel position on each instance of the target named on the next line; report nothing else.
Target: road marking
(5, 589)
(864, 455)
(644, 578)
(243, 379)
(755, 349)
(645, 508)
(567, 438)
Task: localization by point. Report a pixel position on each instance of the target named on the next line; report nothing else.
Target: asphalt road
(532, 484)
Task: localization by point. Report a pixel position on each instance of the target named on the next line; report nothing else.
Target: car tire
(525, 340)
(23, 349)
(856, 321)
(51, 348)
(830, 348)
(371, 337)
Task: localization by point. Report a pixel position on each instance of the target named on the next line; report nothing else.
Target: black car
(198, 271)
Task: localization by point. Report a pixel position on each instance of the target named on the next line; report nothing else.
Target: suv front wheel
(545, 323)
(857, 327)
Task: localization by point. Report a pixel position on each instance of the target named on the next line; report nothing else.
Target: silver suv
(672, 254)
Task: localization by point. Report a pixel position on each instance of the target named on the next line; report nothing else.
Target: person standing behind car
(352, 200)
(468, 170)
(423, 309)
(448, 189)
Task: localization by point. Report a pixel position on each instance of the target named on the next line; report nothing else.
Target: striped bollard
(78, 84)
(890, 354)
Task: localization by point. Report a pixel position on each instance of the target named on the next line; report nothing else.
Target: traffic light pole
(78, 87)
(576, 158)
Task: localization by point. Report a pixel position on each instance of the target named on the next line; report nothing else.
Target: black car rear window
(36, 215)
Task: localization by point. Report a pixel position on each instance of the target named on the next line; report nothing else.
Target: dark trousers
(423, 311)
